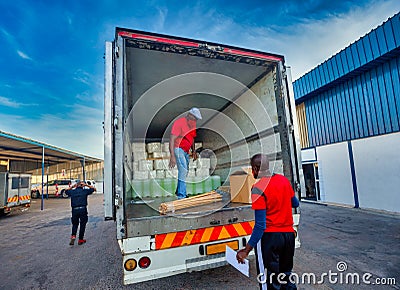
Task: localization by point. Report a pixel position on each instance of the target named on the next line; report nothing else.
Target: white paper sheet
(231, 259)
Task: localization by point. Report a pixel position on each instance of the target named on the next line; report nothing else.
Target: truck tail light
(144, 262)
(130, 265)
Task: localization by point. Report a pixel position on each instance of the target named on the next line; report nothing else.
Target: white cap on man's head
(195, 112)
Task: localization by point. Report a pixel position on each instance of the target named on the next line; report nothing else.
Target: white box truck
(246, 100)
(15, 191)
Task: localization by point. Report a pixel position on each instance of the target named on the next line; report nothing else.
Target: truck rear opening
(243, 96)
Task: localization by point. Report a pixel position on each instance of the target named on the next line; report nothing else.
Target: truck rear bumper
(173, 261)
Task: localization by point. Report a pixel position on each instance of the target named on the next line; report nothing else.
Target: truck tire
(3, 212)
(35, 194)
(64, 194)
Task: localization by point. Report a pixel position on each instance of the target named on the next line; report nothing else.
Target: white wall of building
(377, 166)
(334, 174)
(377, 172)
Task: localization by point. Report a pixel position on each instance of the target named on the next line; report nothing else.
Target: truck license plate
(220, 247)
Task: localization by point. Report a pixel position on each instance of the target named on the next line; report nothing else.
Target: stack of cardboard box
(151, 161)
(148, 173)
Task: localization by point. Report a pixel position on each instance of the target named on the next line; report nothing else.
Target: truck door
(13, 190)
(24, 189)
(3, 191)
(109, 196)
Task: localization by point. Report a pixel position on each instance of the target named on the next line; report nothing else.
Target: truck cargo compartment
(241, 95)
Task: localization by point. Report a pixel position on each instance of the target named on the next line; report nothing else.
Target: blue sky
(51, 52)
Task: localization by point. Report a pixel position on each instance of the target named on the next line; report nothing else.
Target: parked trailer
(247, 106)
(14, 191)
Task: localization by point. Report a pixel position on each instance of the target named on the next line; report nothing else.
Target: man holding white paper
(230, 255)
(273, 234)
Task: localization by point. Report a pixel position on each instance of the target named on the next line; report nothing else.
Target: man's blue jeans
(182, 162)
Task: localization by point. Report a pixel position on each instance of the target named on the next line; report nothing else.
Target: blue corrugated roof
(362, 106)
(381, 42)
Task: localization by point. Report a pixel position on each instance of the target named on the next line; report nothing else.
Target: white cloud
(9, 103)
(160, 20)
(78, 130)
(23, 55)
(305, 44)
(83, 77)
(313, 42)
(7, 35)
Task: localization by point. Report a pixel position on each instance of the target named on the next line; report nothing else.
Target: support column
(42, 196)
(353, 174)
(83, 168)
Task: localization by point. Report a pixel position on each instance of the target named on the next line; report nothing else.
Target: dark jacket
(79, 196)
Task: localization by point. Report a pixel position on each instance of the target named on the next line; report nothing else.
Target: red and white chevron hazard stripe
(24, 197)
(13, 199)
(191, 237)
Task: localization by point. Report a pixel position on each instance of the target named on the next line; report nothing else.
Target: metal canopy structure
(16, 149)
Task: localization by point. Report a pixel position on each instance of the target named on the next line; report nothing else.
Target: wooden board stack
(201, 199)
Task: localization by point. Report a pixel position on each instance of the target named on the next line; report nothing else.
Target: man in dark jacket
(78, 194)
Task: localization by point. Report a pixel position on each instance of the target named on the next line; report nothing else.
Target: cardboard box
(160, 174)
(153, 147)
(171, 173)
(145, 165)
(192, 164)
(204, 163)
(191, 172)
(165, 147)
(240, 184)
(140, 175)
(202, 172)
(161, 164)
(198, 145)
(138, 146)
(139, 155)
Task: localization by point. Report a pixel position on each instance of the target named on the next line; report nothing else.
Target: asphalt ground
(35, 254)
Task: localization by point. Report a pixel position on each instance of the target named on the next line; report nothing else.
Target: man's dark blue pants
(79, 216)
(277, 251)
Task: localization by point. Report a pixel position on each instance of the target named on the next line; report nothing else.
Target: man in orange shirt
(181, 141)
(273, 234)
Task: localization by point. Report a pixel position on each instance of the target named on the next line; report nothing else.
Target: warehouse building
(348, 109)
(46, 162)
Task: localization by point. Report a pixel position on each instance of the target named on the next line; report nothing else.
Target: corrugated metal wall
(381, 41)
(365, 105)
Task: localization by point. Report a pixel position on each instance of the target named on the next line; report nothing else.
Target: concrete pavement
(35, 253)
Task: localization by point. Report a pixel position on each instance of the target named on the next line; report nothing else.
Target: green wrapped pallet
(137, 188)
(146, 188)
(169, 186)
(208, 186)
(199, 185)
(216, 181)
(190, 186)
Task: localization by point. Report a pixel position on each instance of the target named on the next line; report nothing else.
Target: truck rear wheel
(35, 194)
(64, 194)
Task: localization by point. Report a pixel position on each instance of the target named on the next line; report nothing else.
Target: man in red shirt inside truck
(273, 234)
(181, 142)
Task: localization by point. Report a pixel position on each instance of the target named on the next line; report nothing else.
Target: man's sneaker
(72, 242)
(80, 242)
